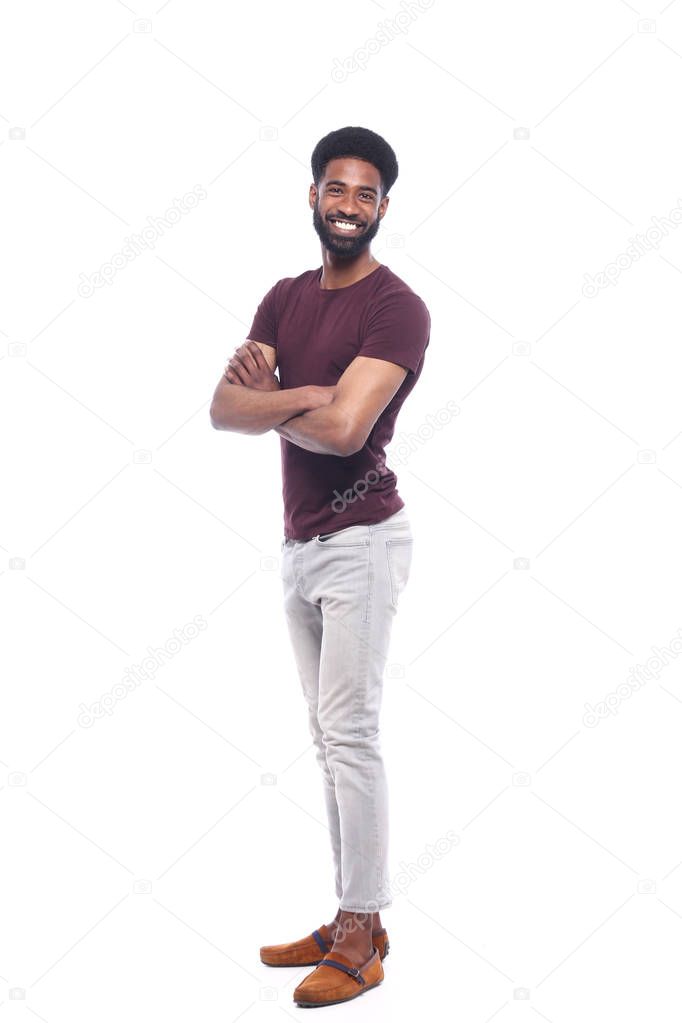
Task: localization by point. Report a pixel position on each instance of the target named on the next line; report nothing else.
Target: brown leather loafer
(335, 979)
(308, 951)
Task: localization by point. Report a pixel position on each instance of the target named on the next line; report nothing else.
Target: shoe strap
(324, 947)
(352, 971)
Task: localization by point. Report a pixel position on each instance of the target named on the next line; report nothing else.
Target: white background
(147, 856)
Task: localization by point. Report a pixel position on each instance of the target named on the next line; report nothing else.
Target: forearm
(322, 430)
(247, 410)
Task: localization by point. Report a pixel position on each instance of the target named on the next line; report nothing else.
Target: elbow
(219, 420)
(215, 419)
(352, 450)
(350, 434)
(222, 422)
(348, 443)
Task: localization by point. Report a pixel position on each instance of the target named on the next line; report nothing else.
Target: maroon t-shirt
(317, 333)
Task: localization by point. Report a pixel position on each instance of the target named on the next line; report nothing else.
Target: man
(348, 340)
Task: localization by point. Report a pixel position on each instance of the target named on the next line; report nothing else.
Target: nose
(349, 211)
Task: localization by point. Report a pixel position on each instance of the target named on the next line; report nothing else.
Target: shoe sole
(290, 965)
(337, 1001)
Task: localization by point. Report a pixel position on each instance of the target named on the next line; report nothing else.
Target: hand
(249, 368)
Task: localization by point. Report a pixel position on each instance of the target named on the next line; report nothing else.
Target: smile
(344, 225)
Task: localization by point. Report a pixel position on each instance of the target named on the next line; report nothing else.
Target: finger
(242, 361)
(257, 355)
(248, 356)
(238, 369)
(230, 374)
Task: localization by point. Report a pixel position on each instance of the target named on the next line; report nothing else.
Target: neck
(338, 272)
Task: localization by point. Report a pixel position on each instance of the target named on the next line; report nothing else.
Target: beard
(338, 244)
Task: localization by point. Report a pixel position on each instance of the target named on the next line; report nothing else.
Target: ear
(383, 206)
(312, 196)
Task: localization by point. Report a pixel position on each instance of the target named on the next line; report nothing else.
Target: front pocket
(347, 536)
(399, 557)
(328, 540)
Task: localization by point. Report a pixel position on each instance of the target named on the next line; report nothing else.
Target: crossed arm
(327, 420)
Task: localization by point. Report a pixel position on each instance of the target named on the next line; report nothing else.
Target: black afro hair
(360, 143)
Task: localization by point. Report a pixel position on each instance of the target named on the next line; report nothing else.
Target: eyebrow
(363, 188)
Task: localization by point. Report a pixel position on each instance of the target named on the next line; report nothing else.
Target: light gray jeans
(341, 593)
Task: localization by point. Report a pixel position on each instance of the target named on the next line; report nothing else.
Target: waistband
(397, 518)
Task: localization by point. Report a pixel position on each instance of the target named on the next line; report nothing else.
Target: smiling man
(348, 340)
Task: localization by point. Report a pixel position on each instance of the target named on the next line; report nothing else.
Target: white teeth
(345, 225)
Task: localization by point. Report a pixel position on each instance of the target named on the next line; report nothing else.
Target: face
(350, 193)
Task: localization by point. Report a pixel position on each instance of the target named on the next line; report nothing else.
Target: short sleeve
(264, 326)
(398, 331)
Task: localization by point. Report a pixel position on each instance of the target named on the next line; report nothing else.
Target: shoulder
(286, 287)
(392, 292)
